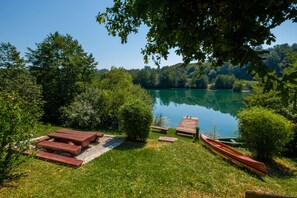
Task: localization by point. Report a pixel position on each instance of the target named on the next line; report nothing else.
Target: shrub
(135, 119)
(16, 122)
(264, 132)
(89, 110)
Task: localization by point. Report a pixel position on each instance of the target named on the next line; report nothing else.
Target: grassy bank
(155, 169)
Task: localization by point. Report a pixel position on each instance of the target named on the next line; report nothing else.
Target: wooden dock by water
(187, 126)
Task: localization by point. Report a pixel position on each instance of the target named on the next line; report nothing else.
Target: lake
(215, 109)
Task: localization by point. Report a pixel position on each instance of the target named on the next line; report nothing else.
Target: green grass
(155, 169)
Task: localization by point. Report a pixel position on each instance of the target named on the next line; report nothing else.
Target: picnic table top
(77, 137)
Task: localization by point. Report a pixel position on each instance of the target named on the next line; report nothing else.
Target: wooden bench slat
(58, 146)
(84, 141)
(59, 158)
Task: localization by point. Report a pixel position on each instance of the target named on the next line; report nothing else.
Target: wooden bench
(59, 146)
(158, 128)
(59, 158)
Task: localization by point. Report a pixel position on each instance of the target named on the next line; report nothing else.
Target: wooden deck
(187, 126)
(65, 141)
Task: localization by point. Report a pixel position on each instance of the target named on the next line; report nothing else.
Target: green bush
(16, 123)
(135, 119)
(264, 132)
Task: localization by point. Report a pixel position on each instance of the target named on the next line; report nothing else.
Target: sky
(27, 22)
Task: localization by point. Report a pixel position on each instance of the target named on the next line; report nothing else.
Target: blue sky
(26, 22)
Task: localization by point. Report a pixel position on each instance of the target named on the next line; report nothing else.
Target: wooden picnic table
(76, 137)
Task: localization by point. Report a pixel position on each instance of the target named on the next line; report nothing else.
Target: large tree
(219, 30)
(16, 79)
(61, 66)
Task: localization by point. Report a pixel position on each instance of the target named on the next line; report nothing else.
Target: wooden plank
(59, 158)
(82, 134)
(100, 134)
(58, 146)
(252, 194)
(186, 130)
(158, 128)
(42, 138)
(76, 139)
(185, 134)
(167, 139)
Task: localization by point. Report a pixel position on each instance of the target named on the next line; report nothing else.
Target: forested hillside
(200, 76)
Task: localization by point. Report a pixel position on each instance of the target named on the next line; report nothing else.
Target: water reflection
(216, 110)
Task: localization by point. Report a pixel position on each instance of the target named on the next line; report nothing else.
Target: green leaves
(199, 30)
(264, 132)
(16, 124)
(61, 66)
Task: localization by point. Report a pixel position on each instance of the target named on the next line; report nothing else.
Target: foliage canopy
(61, 66)
(16, 123)
(219, 30)
(98, 106)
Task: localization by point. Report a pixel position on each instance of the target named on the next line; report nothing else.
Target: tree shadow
(14, 178)
(128, 145)
(279, 170)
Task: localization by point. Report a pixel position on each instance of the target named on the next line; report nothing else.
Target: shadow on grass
(14, 178)
(278, 170)
(128, 145)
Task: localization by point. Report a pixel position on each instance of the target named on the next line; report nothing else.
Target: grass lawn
(155, 169)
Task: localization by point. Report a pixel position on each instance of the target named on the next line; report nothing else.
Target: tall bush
(264, 132)
(135, 119)
(16, 123)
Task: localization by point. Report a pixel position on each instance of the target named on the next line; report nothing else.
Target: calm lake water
(215, 109)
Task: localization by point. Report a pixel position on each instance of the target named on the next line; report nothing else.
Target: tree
(220, 30)
(224, 82)
(200, 81)
(98, 106)
(15, 79)
(61, 66)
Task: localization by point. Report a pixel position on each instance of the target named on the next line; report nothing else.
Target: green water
(215, 109)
